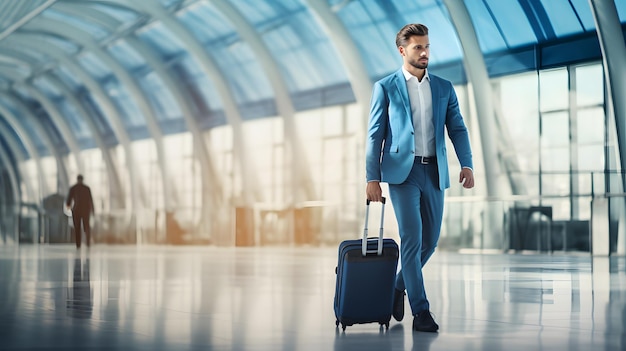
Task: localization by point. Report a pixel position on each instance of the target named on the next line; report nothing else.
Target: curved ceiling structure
(83, 74)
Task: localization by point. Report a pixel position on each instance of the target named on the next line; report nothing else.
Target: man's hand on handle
(374, 192)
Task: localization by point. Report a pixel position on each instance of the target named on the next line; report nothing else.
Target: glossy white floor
(206, 298)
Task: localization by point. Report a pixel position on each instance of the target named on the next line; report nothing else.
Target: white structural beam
(30, 146)
(43, 133)
(36, 42)
(60, 123)
(15, 188)
(15, 149)
(611, 39)
(13, 179)
(32, 14)
(212, 71)
(112, 169)
(350, 56)
(478, 77)
(210, 178)
(137, 94)
(303, 184)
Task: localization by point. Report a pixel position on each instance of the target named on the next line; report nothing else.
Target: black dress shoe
(398, 304)
(424, 322)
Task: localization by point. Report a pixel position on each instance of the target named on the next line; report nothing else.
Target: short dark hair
(79, 178)
(408, 31)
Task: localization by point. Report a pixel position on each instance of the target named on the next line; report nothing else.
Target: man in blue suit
(406, 148)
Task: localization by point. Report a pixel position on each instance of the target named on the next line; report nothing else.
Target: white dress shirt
(421, 100)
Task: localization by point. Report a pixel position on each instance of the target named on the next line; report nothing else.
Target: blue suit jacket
(390, 149)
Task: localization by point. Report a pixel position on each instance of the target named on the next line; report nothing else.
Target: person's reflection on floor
(422, 340)
(79, 303)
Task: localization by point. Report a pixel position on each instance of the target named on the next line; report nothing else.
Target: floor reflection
(79, 297)
(208, 298)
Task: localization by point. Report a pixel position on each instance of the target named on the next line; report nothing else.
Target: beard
(418, 64)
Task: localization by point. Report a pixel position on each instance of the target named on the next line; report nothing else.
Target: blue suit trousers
(418, 204)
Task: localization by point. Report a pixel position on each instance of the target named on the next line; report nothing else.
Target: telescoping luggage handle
(379, 250)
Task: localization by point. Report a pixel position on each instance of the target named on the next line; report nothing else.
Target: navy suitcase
(366, 273)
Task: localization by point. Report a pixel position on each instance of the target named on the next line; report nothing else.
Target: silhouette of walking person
(81, 203)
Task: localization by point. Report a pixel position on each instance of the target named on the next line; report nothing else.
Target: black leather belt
(426, 160)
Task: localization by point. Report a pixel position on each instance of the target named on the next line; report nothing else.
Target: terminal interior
(224, 142)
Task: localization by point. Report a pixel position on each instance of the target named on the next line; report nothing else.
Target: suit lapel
(404, 93)
(434, 90)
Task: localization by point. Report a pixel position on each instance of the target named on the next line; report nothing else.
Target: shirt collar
(408, 75)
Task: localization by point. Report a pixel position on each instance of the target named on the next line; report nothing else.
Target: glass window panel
(9, 134)
(129, 112)
(16, 70)
(591, 158)
(49, 165)
(46, 87)
(52, 130)
(249, 81)
(182, 165)
(591, 126)
(76, 122)
(621, 10)
(554, 90)
(202, 85)
(82, 25)
(66, 45)
(30, 174)
(373, 34)
(489, 37)
(519, 105)
(584, 180)
(513, 22)
(584, 209)
(27, 124)
(268, 156)
(161, 98)
(296, 42)
(555, 129)
(269, 12)
(96, 178)
(217, 29)
(66, 76)
(126, 55)
(26, 53)
(93, 106)
(149, 172)
(555, 160)
(168, 3)
(589, 85)
(584, 13)
(333, 121)
(123, 14)
(93, 65)
(161, 39)
(562, 17)
(555, 184)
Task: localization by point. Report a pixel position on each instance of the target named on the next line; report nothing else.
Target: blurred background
(242, 122)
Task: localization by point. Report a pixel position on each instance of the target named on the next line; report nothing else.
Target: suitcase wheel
(386, 324)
